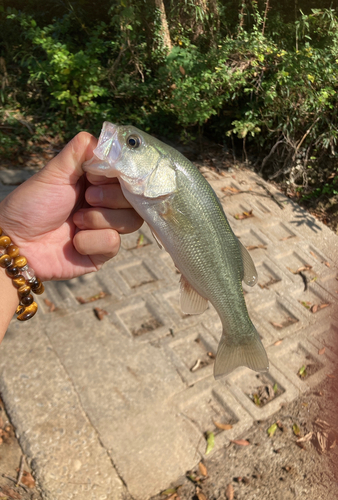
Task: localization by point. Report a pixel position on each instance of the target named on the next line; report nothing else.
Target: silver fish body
(188, 220)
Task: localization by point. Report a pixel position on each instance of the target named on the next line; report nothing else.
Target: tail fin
(234, 352)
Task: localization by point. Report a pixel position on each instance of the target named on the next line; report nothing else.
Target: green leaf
(302, 371)
(256, 400)
(272, 429)
(275, 388)
(296, 429)
(169, 491)
(210, 442)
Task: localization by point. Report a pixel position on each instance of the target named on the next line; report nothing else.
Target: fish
(187, 219)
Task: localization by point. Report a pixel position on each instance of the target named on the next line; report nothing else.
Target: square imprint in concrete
(192, 352)
(263, 207)
(300, 362)
(250, 389)
(253, 239)
(260, 388)
(315, 300)
(137, 274)
(294, 260)
(208, 409)
(280, 316)
(140, 319)
(195, 354)
(326, 335)
(209, 405)
(88, 286)
(281, 232)
(268, 276)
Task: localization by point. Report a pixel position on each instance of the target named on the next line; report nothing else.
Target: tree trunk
(165, 29)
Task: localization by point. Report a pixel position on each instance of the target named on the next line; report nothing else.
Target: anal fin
(250, 275)
(191, 301)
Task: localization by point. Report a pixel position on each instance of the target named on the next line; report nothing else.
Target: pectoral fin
(250, 274)
(157, 239)
(191, 301)
(162, 180)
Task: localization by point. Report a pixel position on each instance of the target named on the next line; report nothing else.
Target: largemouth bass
(187, 219)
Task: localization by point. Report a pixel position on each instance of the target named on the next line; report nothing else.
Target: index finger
(101, 179)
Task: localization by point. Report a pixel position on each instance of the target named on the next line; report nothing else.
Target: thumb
(66, 167)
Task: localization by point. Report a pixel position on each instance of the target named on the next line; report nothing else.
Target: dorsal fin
(250, 274)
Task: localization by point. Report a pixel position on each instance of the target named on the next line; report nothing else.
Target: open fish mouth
(107, 151)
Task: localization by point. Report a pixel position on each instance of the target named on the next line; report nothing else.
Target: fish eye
(133, 141)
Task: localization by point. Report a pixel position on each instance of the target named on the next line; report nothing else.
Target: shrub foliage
(263, 72)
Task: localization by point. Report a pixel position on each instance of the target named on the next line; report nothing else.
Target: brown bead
(20, 261)
(28, 312)
(12, 271)
(19, 281)
(27, 301)
(5, 241)
(20, 309)
(24, 290)
(12, 251)
(39, 289)
(5, 261)
(35, 284)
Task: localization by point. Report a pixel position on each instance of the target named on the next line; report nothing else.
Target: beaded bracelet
(23, 277)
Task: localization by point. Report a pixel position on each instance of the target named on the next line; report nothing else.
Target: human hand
(50, 219)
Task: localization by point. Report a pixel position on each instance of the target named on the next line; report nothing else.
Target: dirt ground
(276, 467)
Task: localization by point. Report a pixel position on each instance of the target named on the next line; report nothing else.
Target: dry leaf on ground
(11, 494)
(100, 313)
(244, 215)
(200, 494)
(98, 296)
(27, 479)
(50, 305)
(229, 492)
(232, 189)
(305, 438)
(223, 427)
(202, 468)
(240, 442)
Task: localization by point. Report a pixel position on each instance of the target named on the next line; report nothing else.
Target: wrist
(8, 301)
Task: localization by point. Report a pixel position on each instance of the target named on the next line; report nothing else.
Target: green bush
(233, 70)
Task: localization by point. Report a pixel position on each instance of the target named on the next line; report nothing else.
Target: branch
(273, 149)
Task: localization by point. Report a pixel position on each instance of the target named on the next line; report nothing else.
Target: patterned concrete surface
(118, 407)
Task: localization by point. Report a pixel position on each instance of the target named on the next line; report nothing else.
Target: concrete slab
(66, 451)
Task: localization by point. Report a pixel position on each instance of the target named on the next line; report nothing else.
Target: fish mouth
(106, 153)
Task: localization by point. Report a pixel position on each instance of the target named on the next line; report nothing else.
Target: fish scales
(188, 220)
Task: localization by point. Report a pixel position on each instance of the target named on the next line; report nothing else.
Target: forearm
(8, 302)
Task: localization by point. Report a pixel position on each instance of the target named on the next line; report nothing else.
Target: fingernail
(94, 194)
